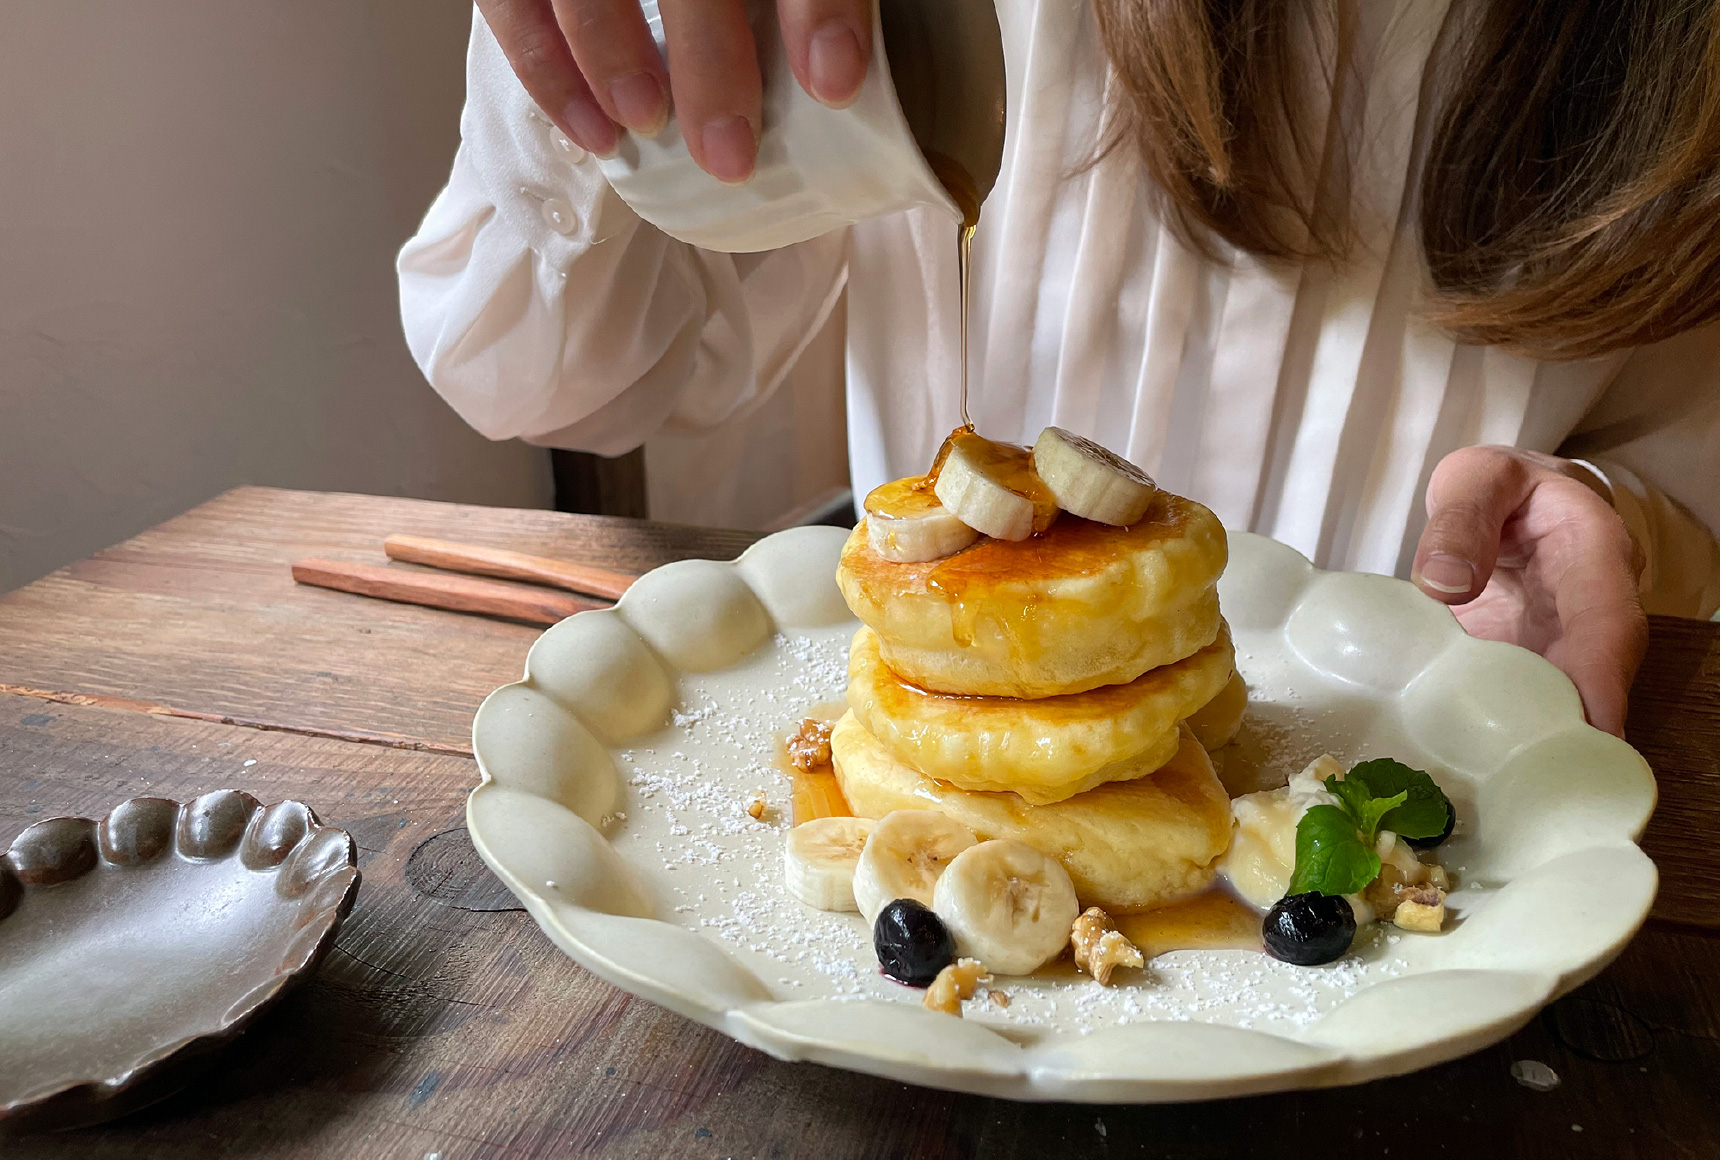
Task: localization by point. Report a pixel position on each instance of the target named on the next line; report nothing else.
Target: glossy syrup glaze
(1210, 921)
(1007, 464)
(902, 498)
(813, 792)
(1071, 547)
(1016, 583)
(1214, 921)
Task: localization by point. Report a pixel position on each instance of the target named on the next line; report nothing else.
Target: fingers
(1472, 493)
(1578, 556)
(614, 49)
(829, 46)
(1603, 631)
(715, 81)
(537, 49)
(592, 66)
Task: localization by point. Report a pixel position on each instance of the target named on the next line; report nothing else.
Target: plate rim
(1031, 1071)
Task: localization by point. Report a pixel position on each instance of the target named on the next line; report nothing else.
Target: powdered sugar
(718, 871)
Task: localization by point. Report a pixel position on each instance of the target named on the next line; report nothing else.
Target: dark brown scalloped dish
(133, 944)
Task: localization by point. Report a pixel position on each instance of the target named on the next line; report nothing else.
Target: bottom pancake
(1128, 845)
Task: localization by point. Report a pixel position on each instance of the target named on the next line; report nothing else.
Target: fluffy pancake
(1216, 722)
(1046, 749)
(1128, 845)
(1077, 606)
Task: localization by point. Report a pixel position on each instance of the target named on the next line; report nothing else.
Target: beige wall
(200, 202)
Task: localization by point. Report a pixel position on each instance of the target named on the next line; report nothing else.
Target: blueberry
(913, 944)
(1309, 929)
(1430, 843)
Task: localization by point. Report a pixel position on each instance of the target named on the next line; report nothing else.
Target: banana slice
(992, 487)
(1089, 481)
(1007, 905)
(819, 858)
(906, 524)
(904, 856)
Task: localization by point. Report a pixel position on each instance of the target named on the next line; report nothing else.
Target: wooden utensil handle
(454, 593)
(508, 565)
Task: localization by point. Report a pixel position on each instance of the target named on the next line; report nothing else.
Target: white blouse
(1306, 404)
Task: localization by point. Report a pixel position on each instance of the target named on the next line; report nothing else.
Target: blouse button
(565, 146)
(559, 216)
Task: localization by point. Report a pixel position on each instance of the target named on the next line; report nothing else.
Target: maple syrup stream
(962, 190)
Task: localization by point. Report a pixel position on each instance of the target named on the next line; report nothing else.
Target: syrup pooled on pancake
(1072, 608)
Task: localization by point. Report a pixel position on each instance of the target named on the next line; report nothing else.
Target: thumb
(1471, 494)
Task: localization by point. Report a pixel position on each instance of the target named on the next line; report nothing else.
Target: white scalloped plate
(616, 774)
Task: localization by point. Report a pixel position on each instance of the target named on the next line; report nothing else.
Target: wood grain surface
(201, 614)
(1675, 723)
(444, 1024)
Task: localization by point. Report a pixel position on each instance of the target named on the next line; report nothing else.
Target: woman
(1414, 288)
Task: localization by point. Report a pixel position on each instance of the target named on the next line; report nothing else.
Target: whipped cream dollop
(1262, 854)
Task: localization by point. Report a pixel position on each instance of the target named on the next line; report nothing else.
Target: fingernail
(835, 65)
(1445, 573)
(731, 148)
(590, 127)
(640, 101)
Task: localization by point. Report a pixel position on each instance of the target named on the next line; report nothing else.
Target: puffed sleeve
(1655, 436)
(541, 307)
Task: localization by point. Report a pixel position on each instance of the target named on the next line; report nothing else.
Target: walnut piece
(1405, 879)
(1413, 915)
(756, 807)
(1001, 998)
(1420, 908)
(809, 745)
(1100, 948)
(953, 984)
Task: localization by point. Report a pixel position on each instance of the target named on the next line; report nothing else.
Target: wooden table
(443, 1024)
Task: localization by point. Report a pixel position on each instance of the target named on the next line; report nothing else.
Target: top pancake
(1075, 607)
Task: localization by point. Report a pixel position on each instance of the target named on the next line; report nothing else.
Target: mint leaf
(1331, 857)
(1353, 796)
(1423, 811)
(1360, 803)
(1335, 844)
(1374, 812)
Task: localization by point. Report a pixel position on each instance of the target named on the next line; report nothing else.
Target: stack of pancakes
(1039, 690)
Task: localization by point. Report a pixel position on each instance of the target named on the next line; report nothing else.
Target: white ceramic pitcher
(935, 86)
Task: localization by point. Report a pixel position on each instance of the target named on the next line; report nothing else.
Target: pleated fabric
(1308, 403)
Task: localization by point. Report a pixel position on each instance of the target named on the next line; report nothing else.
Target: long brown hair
(1570, 200)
